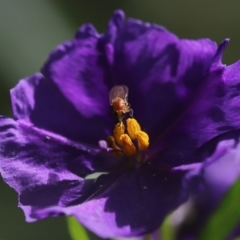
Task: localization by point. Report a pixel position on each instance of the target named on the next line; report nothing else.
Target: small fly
(118, 97)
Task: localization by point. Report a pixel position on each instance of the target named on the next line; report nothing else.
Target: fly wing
(118, 92)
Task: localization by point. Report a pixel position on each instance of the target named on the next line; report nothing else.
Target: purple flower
(181, 94)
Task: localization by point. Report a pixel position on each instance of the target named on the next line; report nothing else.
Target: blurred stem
(226, 216)
(76, 230)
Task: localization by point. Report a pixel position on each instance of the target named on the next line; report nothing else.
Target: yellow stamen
(118, 132)
(116, 150)
(143, 140)
(111, 142)
(121, 142)
(133, 127)
(127, 145)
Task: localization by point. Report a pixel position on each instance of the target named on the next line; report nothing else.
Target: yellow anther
(133, 127)
(127, 145)
(118, 132)
(111, 142)
(143, 140)
(116, 150)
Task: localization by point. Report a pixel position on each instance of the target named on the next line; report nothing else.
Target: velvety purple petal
(23, 143)
(217, 60)
(213, 113)
(161, 70)
(130, 203)
(44, 168)
(220, 171)
(80, 72)
(216, 108)
(39, 101)
(212, 180)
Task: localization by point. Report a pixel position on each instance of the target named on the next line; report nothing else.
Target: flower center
(128, 138)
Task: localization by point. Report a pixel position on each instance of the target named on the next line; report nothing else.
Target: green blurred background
(29, 30)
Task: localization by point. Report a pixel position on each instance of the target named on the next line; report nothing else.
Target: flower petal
(78, 68)
(212, 180)
(128, 204)
(213, 113)
(74, 91)
(44, 168)
(39, 101)
(161, 70)
(220, 171)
